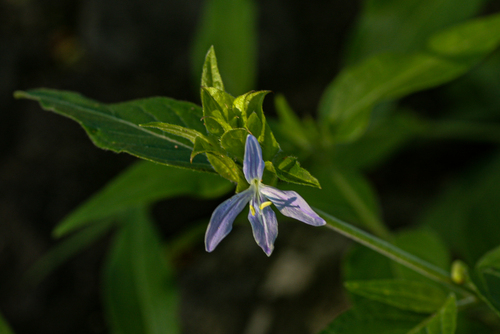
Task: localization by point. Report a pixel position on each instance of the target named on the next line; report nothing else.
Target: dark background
(117, 50)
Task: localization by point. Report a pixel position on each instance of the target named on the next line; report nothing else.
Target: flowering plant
(408, 285)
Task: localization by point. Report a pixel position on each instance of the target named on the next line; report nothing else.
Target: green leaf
(466, 212)
(141, 184)
(250, 107)
(228, 169)
(375, 318)
(139, 290)
(488, 278)
(233, 141)
(173, 129)
(4, 326)
(404, 26)
(290, 124)
(210, 76)
(363, 263)
(349, 99)
(116, 126)
(404, 294)
(443, 322)
(66, 249)
(288, 169)
(471, 40)
(425, 244)
(231, 27)
(206, 145)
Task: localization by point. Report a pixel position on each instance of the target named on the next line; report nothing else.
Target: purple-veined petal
(223, 217)
(264, 226)
(253, 165)
(292, 205)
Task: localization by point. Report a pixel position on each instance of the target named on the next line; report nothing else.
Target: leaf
(426, 245)
(466, 212)
(141, 184)
(374, 317)
(443, 322)
(488, 278)
(404, 26)
(233, 141)
(116, 126)
(348, 100)
(139, 290)
(4, 326)
(408, 295)
(288, 169)
(250, 107)
(66, 249)
(363, 263)
(228, 169)
(173, 129)
(290, 124)
(210, 76)
(231, 27)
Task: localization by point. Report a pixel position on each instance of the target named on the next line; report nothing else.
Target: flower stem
(389, 250)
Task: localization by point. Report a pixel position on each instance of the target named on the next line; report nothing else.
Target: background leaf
(141, 184)
(139, 292)
(349, 99)
(4, 326)
(404, 294)
(443, 322)
(404, 26)
(116, 126)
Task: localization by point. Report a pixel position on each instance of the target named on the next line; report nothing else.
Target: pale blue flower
(260, 196)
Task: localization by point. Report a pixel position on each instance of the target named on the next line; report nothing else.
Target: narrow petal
(264, 227)
(253, 165)
(223, 217)
(292, 205)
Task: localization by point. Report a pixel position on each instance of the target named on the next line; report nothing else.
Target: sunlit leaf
(116, 126)
(231, 27)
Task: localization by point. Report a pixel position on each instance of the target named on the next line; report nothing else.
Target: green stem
(383, 247)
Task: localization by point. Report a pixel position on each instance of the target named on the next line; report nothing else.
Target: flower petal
(264, 226)
(292, 205)
(253, 165)
(223, 217)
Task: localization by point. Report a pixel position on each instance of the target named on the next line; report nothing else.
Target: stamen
(252, 210)
(265, 204)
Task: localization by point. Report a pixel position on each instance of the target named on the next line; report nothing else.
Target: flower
(261, 217)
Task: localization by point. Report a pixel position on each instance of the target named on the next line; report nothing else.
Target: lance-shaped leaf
(347, 103)
(139, 288)
(407, 295)
(231, 26)
(210, 76)
(227, 168)
(368, 316)
(116, 126)
(177, 130)
(141, 184)
(443, 322)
